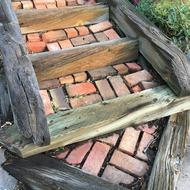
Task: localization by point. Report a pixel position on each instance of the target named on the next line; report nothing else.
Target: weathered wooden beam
(45, 173)
(35, 20)
(51, 65)
(166, 58)
(171, 152)
(26, 103)
(87, 122)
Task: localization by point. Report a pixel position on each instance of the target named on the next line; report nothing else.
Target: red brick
(16, 5)
(65, 44)
(71, 32)
(96, 158)
(80, 77)
(148, 129)
(77, 154)
(83, 30)
(101, 73)
(27, 5)
(135, 78)
(40, 6)
(133, 67)
(36, 47)
(101, 37)
(105, 89)
(37, 2)
(148, 85)
(58, 98)
(53, 36)
(82, 40)
(145, 141)
(71, 2)
(100, 26)
(129, 140)
(46, 100)
(49, 84)
(121, 69)
(50, 1)
(62, 155)
(80, 89)
(34, 37)
(66, 80)
(129, 164)
(84, 101)
(53, 46)
(116, 176)
(119, 86)
(61, 3)
(51, 6)
(111, 34)
(136, 89)
(111, 140)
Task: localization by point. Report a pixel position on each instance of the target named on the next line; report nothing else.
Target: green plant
(172, 17)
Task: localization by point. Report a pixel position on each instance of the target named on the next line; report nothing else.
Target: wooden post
(26, 103)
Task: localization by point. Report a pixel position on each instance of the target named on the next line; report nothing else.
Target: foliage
(172, 17)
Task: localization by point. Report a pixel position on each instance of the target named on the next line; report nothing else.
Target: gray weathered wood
(51, 65)
(169, 158)
(166, 58)
(35, 20)
(45, 173)
(26, 103)
(91, 121)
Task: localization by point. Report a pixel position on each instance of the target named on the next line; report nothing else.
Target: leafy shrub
(172, 17)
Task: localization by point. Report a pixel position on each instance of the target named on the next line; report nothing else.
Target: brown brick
(96, 158)
(65, 44)
(66, 80)
(61, 3)
(121, 69)
(136, 89)
(77, 155)
(36, 47)
(145, 141)
(35, 37)
(101, 73)
(111, 34)
(53, 36)
(119, 86)
(80, 89)
(82, 40)
(51, 6)
(129, 164)
(71, 32)
(133, 67)
(53, 46)
(129, 140)
(46, 100)
(111, 139)
(148, 129)
(40, 6)
(83, 30)
(105, 89)
(90, 2)
(80, 77)
(59, 99)
(135, 78)
(84, 101)
(116, 176)
(148, 85)
(49, 84)
(100, 26)
(16, 5)
(71, 2)
(101, 37)
(27, 4)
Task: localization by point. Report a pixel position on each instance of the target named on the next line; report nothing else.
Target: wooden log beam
(171, 152)
(91, 121)
(35, 20)
(51, 65)
(45, 173)
(26, 103)
(166, 59)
